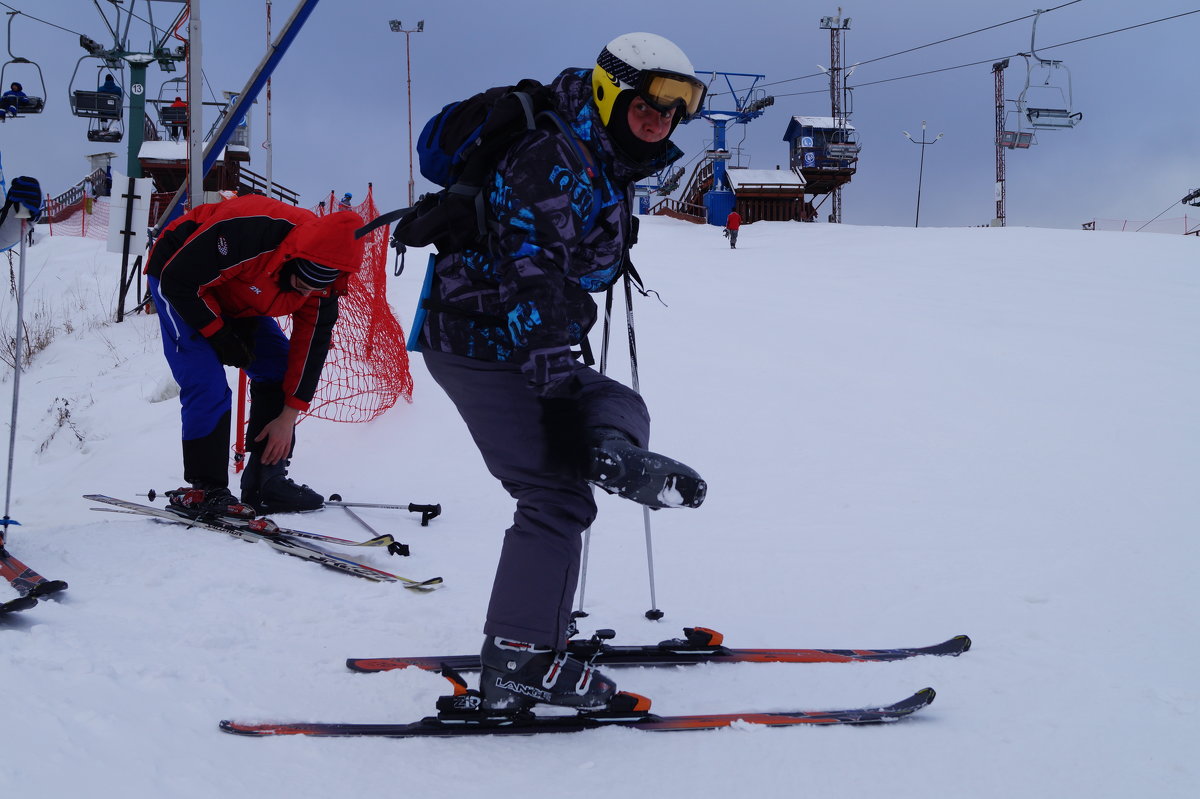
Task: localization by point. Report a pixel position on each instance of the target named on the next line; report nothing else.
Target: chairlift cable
(1160, 213)
(36, 19)
(919, 47)
(1000, 58)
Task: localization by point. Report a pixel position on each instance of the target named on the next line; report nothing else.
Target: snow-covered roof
(763, 177)
(167, 151)
(826, 123)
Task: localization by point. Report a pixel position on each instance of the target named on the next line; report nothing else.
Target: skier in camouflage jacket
(498, 335)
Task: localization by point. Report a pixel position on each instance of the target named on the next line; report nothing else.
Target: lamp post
(398, 27)
(921, 172)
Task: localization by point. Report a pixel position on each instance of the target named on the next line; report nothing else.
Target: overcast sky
(340, 117)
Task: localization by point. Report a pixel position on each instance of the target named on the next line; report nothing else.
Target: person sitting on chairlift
(12, 99)
(177, 125)
(109, 87)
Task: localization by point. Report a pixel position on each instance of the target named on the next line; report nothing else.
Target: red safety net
(366, 371)
(82, 216)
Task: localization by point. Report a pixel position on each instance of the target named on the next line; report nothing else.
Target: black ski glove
(231, 349)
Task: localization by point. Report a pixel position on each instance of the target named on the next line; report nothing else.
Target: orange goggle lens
(665, 92)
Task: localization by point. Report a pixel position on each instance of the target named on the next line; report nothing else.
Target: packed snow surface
(907, 434)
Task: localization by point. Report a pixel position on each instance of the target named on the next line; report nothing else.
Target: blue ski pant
(538, 571)
(204, 393)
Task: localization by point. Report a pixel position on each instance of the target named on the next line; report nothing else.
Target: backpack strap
(586, 161)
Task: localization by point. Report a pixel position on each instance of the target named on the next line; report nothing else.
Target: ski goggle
(667, 91)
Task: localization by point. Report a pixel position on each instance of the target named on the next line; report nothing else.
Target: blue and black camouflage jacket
(525, 300)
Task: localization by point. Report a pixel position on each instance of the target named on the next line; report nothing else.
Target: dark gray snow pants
(539, 563)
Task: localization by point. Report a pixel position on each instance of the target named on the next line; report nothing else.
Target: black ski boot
(517, 675)
(621, 467)
(198, 502)
(269, 489)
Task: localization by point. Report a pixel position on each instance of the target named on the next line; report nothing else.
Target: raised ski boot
(621, 467)
(198, 502)
(517, 675)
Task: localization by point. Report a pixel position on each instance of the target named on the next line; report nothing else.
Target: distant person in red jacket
(732, 223)
(178, 124)
(219, 275)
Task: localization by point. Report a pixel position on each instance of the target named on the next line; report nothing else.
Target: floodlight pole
(921, 172)
(398, 27)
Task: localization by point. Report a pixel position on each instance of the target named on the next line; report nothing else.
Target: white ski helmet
(652, 67)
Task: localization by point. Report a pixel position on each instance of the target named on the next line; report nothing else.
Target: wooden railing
(678, 209)
(257, 183)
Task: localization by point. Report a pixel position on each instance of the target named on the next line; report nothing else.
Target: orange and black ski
(450, 724)
(29, 584)
(699, 645)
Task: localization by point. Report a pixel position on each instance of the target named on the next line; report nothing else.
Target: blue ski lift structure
(1046, 101)
(709, 186)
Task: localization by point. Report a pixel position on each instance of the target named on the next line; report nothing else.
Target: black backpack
(458, 149)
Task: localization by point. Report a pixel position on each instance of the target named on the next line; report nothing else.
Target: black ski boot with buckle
(268, 489)
(516, 675)
(621, 467)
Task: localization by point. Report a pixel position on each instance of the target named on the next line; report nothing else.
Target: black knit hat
(314, 275)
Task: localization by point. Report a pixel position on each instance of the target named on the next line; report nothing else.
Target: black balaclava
(631, 146)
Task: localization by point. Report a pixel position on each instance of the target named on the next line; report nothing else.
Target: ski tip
(251, 730)
(15, 605)
(921, 698)
(48, 587)
(965, 640)
(431, 584)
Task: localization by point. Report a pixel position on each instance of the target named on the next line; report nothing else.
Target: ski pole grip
(427, 512)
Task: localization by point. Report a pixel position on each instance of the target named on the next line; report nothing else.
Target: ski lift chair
(99, 108)
(1049, 105)
(28, 104)
(103, 110)
(1052, 118)
(111, 134)
(95, 105)
(172, 118)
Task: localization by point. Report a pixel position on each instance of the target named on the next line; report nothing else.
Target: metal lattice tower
(1001, 187)
(837, 91)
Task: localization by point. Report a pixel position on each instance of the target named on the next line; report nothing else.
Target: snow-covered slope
(907, 434)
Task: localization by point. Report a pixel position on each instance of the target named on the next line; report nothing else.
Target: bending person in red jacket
(218, 275)
(732, 223)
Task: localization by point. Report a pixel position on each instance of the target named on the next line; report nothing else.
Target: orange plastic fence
(366, 371)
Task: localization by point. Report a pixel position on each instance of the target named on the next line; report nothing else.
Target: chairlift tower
(748, 105)
(837, 92)
(998, 71)
(138, 62)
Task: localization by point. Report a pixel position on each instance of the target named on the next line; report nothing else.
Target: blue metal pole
(257, 81)
(245, 99)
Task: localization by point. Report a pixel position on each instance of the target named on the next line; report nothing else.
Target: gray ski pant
(538, 571)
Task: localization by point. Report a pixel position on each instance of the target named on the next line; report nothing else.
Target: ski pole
(587, 533)
(653, 613)
(427, 511)
(18, 346)
(394, 548)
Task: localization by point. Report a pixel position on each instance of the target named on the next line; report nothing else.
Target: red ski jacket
(734, 221)
(225, 260)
